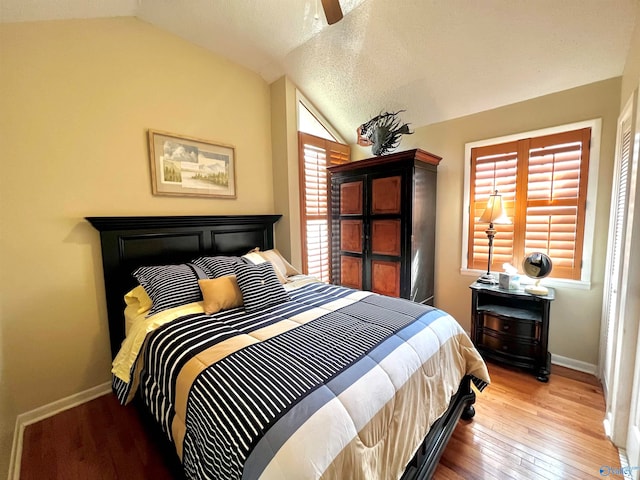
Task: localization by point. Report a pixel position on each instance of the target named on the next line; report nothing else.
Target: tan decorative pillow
(220, 293)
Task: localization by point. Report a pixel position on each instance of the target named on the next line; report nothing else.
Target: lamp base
(487, 278)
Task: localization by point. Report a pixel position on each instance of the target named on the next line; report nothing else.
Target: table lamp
(493, 214)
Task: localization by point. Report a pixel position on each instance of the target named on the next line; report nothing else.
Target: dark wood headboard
(131, 242)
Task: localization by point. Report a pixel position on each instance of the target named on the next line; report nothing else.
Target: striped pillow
(260, 286)
(216, 267)
(169, 286)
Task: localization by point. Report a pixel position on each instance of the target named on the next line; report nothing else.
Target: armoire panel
(385, 278)
(351, 198)
(386, 237)
(351, 236)
(351, 272)
(386, 195)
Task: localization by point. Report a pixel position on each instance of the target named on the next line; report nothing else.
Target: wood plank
(99, 440)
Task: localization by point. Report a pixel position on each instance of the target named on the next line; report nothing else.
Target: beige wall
(76, 98)
(286, 183)
(631, 74)
(575, 314)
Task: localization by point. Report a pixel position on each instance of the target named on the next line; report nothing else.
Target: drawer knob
(505, 327)
(505, 347)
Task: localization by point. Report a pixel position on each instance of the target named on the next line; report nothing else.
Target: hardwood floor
(523, 429)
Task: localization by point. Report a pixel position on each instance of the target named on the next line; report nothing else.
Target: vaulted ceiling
(436, 59)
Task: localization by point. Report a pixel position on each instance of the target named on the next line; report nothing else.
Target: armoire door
(386, 235)
(352, 235)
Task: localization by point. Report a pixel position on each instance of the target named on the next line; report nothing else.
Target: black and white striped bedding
(235, 404)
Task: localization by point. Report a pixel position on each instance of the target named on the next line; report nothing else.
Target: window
(315, 155)
(543, 181)
(309, 123)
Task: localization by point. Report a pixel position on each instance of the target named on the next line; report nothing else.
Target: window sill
(524, 280)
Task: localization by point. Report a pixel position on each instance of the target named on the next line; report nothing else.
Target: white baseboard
(578, 365)
(43, 412)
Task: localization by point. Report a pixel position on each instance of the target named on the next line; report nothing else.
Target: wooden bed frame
(130, 242)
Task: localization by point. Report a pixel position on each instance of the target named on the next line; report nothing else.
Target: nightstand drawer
(510, 326)
(508, 346)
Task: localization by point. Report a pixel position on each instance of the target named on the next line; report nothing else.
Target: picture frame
(191, 167)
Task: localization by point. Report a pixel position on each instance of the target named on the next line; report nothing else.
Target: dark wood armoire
(383, 220)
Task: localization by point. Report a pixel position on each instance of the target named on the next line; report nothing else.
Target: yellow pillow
(139, 298)
(220, 293)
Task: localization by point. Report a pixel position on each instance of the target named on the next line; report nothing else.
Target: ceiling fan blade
(332, 11)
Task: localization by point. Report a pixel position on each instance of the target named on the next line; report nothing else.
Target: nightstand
(512, 327)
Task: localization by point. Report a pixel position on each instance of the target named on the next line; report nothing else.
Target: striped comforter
(335, 383)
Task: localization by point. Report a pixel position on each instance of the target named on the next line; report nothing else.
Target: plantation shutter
(543, 182)
(558, 166)
(492, 168)
(316, 154)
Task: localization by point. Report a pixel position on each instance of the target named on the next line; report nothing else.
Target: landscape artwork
(188, 166)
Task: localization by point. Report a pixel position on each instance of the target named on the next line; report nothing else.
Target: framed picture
(191, 167)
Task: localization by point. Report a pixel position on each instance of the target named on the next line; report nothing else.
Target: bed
(253, 390)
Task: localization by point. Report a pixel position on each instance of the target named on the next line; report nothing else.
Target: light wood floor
(523, 429)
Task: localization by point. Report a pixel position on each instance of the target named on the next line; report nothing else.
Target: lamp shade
(494, 213)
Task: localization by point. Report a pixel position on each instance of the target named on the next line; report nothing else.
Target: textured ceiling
(436, 59)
